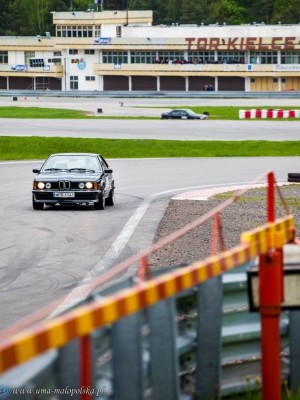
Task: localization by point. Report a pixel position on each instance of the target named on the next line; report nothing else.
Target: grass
(28, 148)
(256, 394)
(215, 113)
(231, 113)
(36, 113)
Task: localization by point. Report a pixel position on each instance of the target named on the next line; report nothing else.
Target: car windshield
(72, 163)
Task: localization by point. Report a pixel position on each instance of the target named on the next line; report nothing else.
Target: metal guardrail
(168, 328)
(154, 94)
(240, 350)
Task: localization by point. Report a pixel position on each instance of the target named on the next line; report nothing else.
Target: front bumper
(80, 197)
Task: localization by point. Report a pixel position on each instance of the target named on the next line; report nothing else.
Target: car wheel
(293, 177)
(100, 204)
(110, 201)
(37, 206)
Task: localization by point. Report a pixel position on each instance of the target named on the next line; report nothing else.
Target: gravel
(247, 213)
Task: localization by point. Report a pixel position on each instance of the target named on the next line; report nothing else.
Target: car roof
(183, 109)
(75, 154)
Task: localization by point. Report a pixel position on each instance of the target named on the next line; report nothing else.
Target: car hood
(68, 176)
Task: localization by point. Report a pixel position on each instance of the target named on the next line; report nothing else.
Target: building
(124, 51)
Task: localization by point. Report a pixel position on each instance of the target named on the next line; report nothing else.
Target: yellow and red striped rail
(85, 319)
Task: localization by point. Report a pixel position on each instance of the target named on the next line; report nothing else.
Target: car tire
(293, 177)
(110, 201)
(37, 206)
(100, 204)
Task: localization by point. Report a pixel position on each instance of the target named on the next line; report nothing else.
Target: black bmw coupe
(73, 178)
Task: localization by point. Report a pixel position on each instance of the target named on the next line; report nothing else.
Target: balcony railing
(26, 70)
(198, 69)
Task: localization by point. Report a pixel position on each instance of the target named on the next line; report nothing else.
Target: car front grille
(64, 185)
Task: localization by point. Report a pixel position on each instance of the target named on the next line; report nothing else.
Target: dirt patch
(246, 214)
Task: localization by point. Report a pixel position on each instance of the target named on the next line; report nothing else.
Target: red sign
(241, 43)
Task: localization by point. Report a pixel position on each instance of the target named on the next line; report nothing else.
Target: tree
(32, 17)
(261, 10)
(286, 11)
(4, 17)
(228, 11)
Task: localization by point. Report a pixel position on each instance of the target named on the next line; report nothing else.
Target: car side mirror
(108, 171)
(36, 171)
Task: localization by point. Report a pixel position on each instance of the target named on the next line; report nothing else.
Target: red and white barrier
(258, 113)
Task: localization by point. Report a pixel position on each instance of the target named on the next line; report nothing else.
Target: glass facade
(142, 57)
(74, 82)
(290, 57)
(3, 57)
(74, 31)
(263, 57)
(115, 57)
(165, 57)
(231, 57)
(28, 55)
(201, 57)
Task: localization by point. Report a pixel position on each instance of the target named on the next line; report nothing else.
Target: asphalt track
(46, 255)
(148, 129)
(154, 129)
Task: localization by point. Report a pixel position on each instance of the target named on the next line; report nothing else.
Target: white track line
(79, 293)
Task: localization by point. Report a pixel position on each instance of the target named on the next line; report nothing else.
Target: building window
(74, 31)
(89, 51)
(283, 80)
(290, 57)
(28, 55)
(98, 30)
(201, 57)
(115, 57)
(74, 82)
(57, 53)
(252, 80)
(263, 57)
(275, 80)
(142, 57)
(231, 57)
(119, 31)
(3, 57)
(90, 78)
(165, 57)
(73, 51)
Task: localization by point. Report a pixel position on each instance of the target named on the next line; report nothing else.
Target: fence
(262, 114)
(160, 338)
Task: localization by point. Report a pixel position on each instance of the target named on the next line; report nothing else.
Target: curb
(205, 194)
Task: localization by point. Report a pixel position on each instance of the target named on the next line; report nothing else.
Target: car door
(175, 114)
(183, 114)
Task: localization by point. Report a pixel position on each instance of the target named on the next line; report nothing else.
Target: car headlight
(41, 185)
(81, 185)
(89, 185)
(48, 185)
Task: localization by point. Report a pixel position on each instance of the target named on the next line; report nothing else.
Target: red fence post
(143, 270)
(86, 367)
(270, 299)
(271, 197)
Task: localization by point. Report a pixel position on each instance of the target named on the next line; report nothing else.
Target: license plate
(64, 194)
